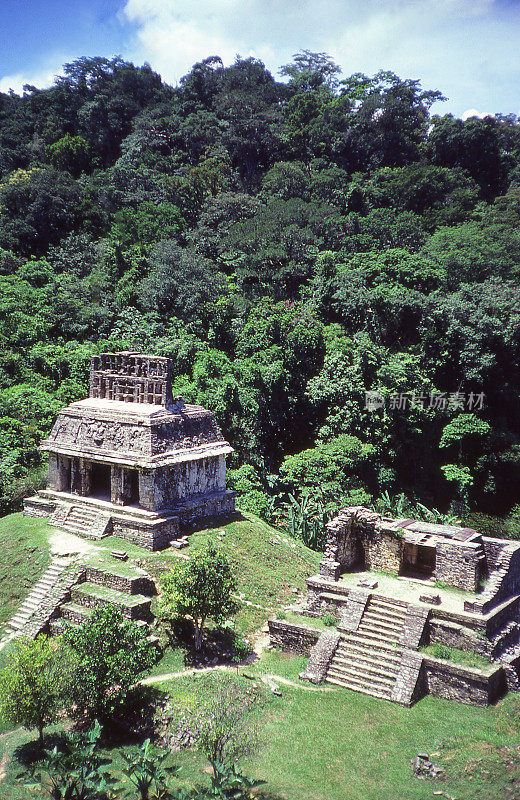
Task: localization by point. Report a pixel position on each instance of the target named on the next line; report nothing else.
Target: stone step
(368, 655)
(32, 603)
(387, 607)
(81, 530)
(384, 621)
(36, 596)
(84, 511)
(49, 578)
(360, 686)
(78, 524)
(365, 667)
(125, 579)
(358, 673)
(75, 522)
(372, 639)
(75, 613)
(92, 595)
(388, 634)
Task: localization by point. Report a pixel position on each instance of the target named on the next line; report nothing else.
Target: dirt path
(288, 682)
(62, 543)
(168, 676)
(260, 641)
(3, 765)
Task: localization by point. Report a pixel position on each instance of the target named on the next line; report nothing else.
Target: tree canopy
(292, 242)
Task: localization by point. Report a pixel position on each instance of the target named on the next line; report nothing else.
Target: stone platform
(93, 518)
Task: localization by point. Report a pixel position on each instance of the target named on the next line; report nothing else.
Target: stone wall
(466, 685)
(451, 634)
(199, 510)
(492, 549)
(139, 584)
(38, 507)
(383, 551)
(321, 656)
(353, 610)
(415, 627)
(360, 536)
(503, 581)
(408, 687)
(168, 486)
(291, 637)
(149, 536)
(458, 564)
(508, 613)
(141, 611)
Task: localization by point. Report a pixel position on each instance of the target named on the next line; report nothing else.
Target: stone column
(86, 475)
(54, 473)
(64, 473)
(127, 489)
(221, 474)
(147, 491)
(75, 476)
(116, 485)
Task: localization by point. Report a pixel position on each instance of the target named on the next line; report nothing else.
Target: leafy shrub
(329, 619)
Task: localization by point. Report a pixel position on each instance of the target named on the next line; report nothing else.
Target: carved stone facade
(154, 463)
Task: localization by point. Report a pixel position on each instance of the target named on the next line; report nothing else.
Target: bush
(329, 619)
(111, 653)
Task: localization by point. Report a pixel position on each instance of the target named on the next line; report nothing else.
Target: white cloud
(41, 78)
(449, 44)
(472, 112)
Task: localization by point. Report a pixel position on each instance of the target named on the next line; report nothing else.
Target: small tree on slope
(34, 686)
(111, 653)
(201, 588)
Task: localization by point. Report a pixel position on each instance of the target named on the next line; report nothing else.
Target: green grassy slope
(268, 565)
(325, 744)
(25, 556)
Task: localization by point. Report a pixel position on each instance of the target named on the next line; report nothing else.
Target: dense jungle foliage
(291, 244)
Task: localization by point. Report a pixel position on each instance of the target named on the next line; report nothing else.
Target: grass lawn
(25, 556)
(339, 745)
(267, 564)
(456, 656)
(321, 744)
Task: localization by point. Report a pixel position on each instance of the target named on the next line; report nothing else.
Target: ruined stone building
(132, 460)
(404, 591)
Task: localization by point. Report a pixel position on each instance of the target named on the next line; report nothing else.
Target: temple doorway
(131, 497)
(100, 481)
(418, 561)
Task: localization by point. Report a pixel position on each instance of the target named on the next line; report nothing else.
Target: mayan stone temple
(131, 460)
(397, 588)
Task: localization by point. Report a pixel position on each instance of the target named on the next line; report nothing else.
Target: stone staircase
(130, 593)
(368, 660)
(37, 595)
(82, 520)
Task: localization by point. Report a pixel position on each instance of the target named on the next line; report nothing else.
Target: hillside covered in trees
(291, 244)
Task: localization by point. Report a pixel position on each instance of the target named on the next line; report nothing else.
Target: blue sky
(467, 48)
